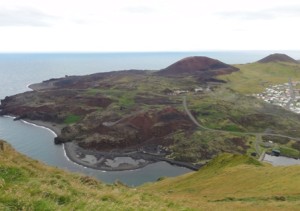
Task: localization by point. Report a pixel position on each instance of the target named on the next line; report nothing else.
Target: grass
(234, 182)
(124, 98)
(71, 119)
(202, 145)
(255, 77)
(228, 182)
(289, 152)
(27, 184)
(127, 100)
(93, 91)
(11, 174)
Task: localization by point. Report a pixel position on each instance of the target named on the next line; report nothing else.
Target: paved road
(258, 135)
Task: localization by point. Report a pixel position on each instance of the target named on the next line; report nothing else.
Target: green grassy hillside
(227, 182)
(235, 182)
(26, 184)
(255, 77)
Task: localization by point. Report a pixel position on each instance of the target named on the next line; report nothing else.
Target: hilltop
(256, 77)
(198, 65)
(227, 182)
(278, 58)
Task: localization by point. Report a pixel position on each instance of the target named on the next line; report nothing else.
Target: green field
(255, 77)
(71, 119)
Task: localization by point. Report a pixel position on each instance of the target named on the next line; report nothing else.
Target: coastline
(52, 127)
(71, 151)
(99, 160)
(104, 161)
(40, 86)
(76, 155)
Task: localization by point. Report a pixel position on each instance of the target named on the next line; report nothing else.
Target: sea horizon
(145, 60)
(165, 51)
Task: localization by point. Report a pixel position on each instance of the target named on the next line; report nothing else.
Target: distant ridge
(277, 57)
(197, 65)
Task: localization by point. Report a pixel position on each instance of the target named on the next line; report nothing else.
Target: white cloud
(139, 10)
(24, 17)
(265, 14)
(143, 25)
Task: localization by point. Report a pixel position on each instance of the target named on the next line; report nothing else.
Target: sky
(148, 25)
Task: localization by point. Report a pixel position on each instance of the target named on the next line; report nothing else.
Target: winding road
(257, 135)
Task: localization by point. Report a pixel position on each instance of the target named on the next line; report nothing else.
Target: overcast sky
(148, 25)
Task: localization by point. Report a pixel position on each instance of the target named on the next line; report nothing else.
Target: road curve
(232, 132)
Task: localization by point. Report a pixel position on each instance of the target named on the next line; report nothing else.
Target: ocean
(17, 71)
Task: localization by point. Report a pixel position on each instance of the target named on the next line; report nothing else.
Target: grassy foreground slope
(235, 182)
(227, 182)
(26, 184)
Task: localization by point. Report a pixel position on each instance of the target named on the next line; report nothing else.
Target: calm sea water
(19, 70)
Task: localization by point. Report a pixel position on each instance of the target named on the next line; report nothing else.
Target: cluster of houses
(284, 95)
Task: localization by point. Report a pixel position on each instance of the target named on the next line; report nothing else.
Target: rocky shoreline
(107, 161)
